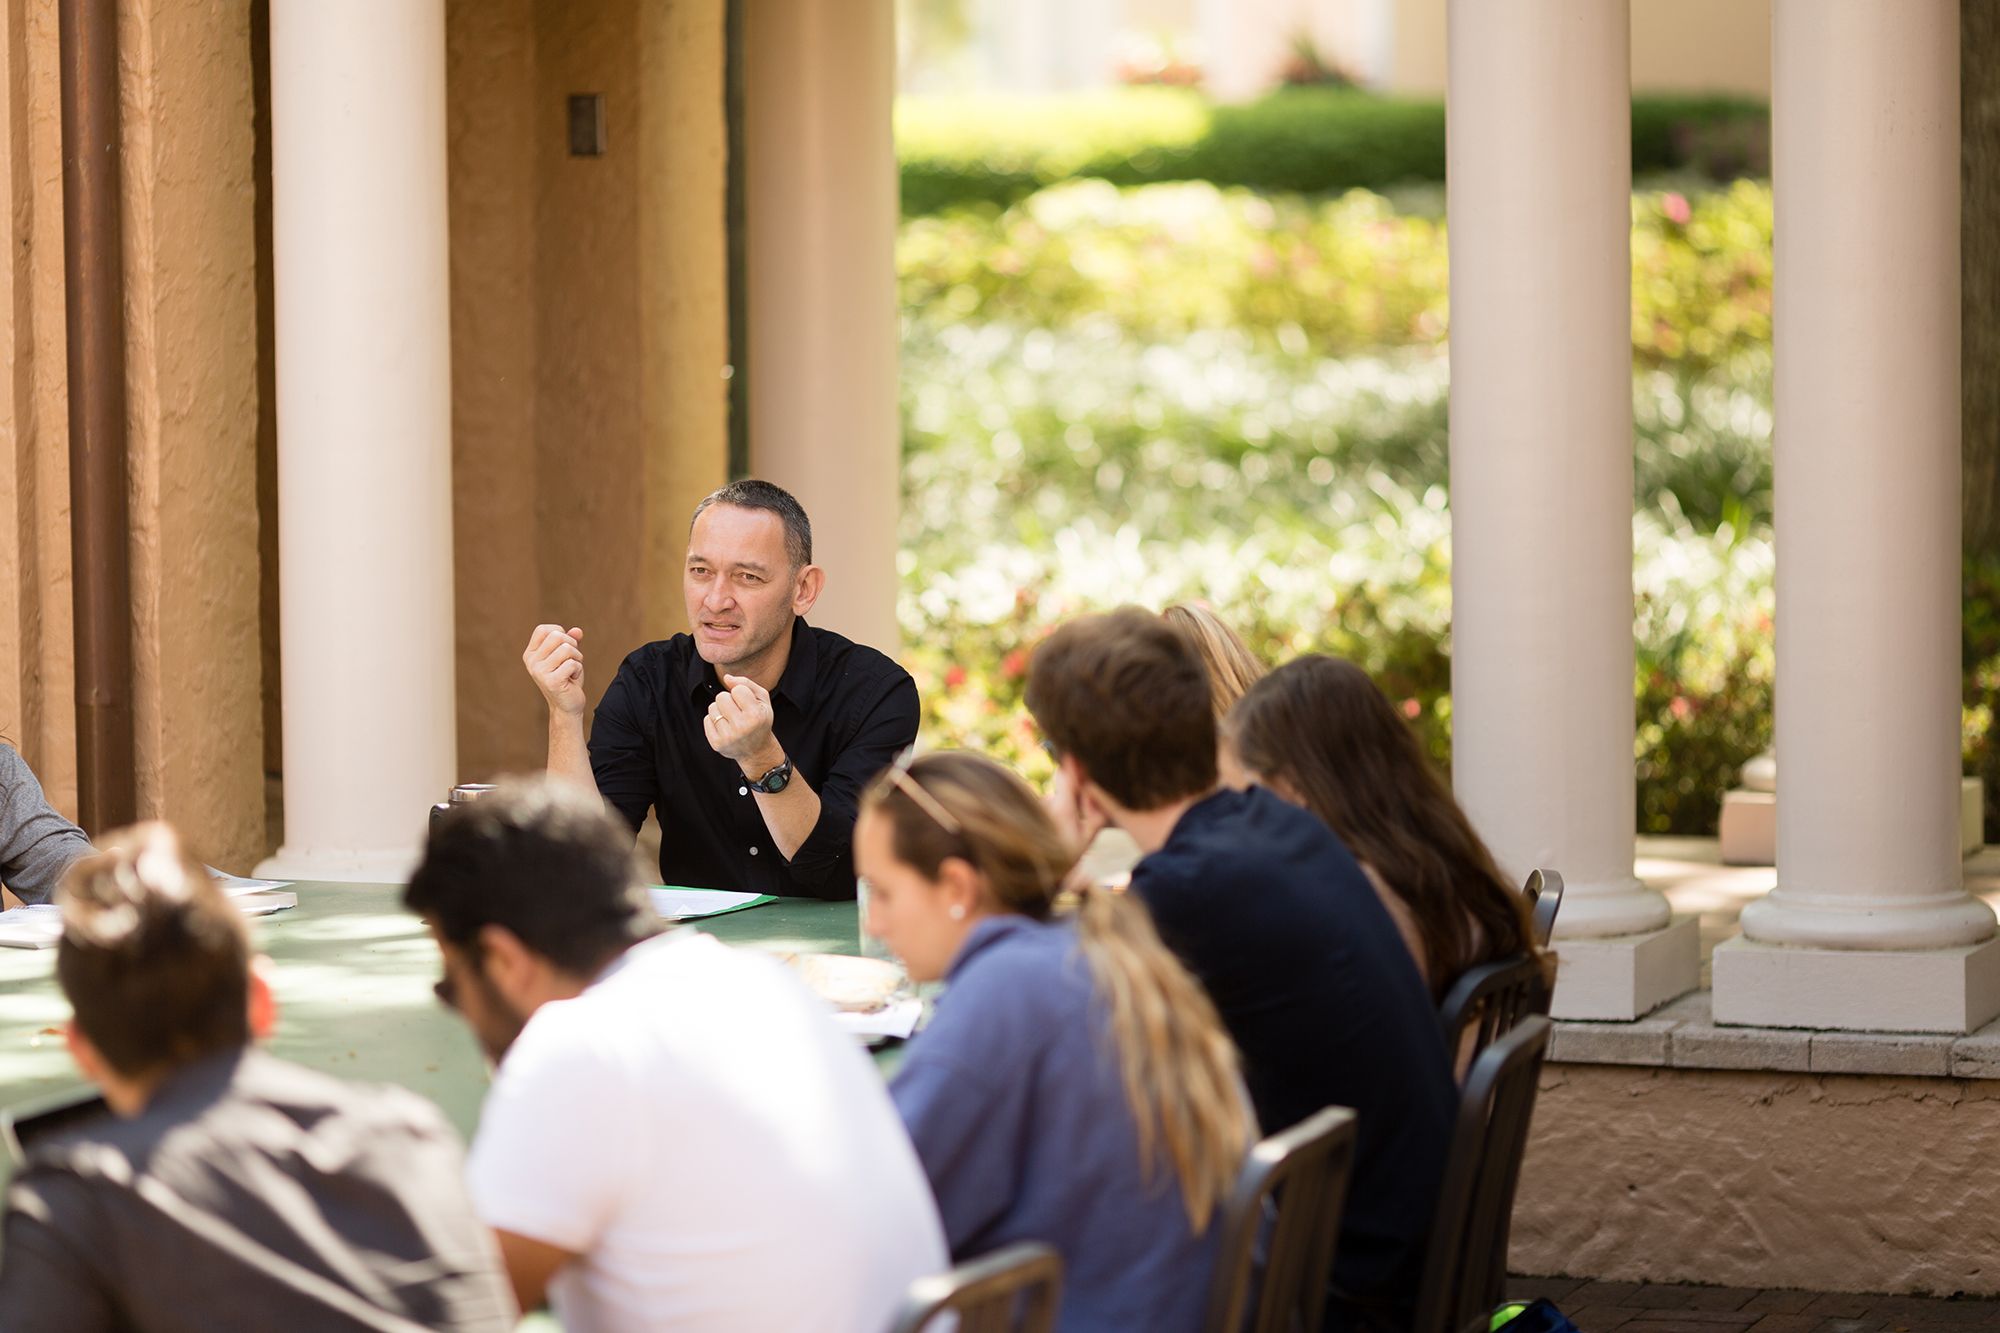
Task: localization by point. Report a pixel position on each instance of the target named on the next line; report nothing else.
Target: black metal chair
(1298, 1180)
(1015, 1289)
(1545, 894)
(1489, 1001)
(1465, 1269)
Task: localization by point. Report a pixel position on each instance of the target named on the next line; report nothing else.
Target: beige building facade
(587, 396)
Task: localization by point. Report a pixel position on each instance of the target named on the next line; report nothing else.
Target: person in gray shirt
(36, 843)
(218, 1188)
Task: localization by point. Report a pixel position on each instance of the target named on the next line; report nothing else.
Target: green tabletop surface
(353, 975)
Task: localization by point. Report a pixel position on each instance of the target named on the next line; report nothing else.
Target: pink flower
(1675, 206)
(1411, 708)
(954, 677)
(1012, 665)
(1681, 708)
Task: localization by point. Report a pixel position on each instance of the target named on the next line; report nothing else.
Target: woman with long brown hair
(1075, 1085)
(1318, 732)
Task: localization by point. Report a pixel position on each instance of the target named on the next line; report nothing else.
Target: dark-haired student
(678, 1138)
(1274, 917)
(1320, 733)
(751, 735)
(221, 1189)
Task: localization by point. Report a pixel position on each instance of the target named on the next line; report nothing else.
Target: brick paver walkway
(1630, 1307)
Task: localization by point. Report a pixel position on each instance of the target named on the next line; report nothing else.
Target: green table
(353, 975)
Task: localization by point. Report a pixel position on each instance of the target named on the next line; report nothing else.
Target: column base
(342, 865)
(1619, 978)
(1749, 830)
(1858, 990)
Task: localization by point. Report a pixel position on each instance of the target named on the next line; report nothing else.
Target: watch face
(774, 781)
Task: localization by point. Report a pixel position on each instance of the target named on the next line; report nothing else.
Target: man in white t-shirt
(678, 1137)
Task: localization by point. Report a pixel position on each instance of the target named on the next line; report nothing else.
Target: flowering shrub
(1375, 589)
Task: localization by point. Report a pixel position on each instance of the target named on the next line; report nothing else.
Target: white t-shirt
(714, 1150)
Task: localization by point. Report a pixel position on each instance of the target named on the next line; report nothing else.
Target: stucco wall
(190, 323)
(37, 696)
(191, 376)
(1821, 1182)
(589, 330)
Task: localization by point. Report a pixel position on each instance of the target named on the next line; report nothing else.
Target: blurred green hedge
(996, 150)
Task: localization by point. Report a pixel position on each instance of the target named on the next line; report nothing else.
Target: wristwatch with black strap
(775, 780)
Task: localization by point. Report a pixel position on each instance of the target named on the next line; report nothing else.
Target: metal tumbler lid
(467, 792)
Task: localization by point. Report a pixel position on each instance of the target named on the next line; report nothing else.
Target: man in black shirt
(753, 735)
(1272, 914)
(215, 1187)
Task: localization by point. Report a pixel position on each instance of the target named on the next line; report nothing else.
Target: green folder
(681, 903)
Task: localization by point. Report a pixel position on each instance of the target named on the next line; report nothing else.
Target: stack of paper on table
(39, 925)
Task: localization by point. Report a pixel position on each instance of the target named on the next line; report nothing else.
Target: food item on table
(852, 985)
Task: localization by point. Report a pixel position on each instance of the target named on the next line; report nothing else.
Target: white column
(1866, 332)
(364, 430)
(820, 162)
(1539, 163)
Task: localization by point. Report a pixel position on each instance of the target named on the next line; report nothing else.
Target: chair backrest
(1465, 1269)
(1488, 1001)
(1298, 1180)
(1015, 1289)
(1545, 895)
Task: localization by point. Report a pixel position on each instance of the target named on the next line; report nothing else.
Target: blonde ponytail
(1178, 1065)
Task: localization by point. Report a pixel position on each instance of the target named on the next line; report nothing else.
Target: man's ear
(811, 582)
(511, 967)
(88, 1061)
(263, 1001)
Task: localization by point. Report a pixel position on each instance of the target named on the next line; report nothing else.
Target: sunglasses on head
(899, 773)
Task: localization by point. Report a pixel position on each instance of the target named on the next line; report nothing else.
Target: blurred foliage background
(1154, 350)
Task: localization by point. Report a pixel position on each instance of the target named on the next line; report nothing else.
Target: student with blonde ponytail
(1076, 1085)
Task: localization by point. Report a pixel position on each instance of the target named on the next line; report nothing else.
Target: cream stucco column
(364, 430)
(1869, 925)
(821, 199)
(1539, 164)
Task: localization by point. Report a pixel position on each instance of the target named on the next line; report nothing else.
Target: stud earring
(958, 912)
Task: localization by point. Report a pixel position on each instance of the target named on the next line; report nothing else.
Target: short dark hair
(750, 493)
(154, 959)
(1127, 695)
(546, 861)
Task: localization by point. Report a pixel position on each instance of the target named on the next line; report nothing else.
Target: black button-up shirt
(842, 712)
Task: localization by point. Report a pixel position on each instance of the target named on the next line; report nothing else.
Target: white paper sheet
(896, 1019)
(687, 904)
(35, 927)
(236, 885)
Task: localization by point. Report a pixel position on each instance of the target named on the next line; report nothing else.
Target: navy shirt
(1268, 909)
(1013, 1097)
(841, 711)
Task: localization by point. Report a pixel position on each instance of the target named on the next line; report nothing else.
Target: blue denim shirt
(1014, 1099)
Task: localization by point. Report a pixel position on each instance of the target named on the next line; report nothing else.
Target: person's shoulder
(1029, 969)
(313, 1098)
(839, 655)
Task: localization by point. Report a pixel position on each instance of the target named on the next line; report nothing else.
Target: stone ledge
(1684, 1035)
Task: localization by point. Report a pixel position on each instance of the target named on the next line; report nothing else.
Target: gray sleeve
(36, 843)
(46, 1283)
